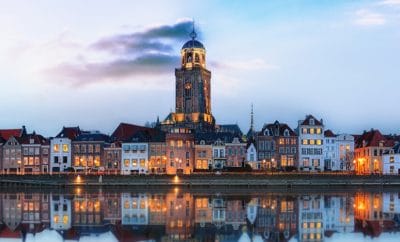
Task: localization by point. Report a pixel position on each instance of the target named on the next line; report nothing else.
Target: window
(56, 148)
(55, 159)
(304, 142)
(319, 142)
(312, 142)
(286, 132)
(134, 162)
(319, 131)
(315, 162)
(304, 130)
(281, 141)
(142, 163)
(311, 131)
(391, 159)
(126, 162)
(90, 148)
(97, 148)
(65, 159)
(65, 148)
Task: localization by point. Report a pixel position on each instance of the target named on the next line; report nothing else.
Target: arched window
(266, 132)
(197, 59)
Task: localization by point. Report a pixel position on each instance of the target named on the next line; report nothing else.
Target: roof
(124, 131)
(69, 132)
(35, 138)
(329, 134)
(7, 133)
(308, 118)
(396, 149)
(372, 138)
(211, 137)
(193, 44)
(149, 135)
(229, 128)
(93, 136)
(277, 129)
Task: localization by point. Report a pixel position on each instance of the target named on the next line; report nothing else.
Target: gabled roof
(125, 131)
(329, 134)
(69, 132)
(7, 133)
(277, 129)
(306, 121)
(372, 138)
(396, 149)
(35, 138)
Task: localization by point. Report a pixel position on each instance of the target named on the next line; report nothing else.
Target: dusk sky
(98, 63)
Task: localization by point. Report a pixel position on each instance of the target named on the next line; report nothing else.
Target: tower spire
(193, 34)
(252, 118)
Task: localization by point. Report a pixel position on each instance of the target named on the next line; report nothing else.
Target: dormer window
(286, 132)
(312, 122)
(31, 141)
(202, 142)
(381, 143)
(266, 132)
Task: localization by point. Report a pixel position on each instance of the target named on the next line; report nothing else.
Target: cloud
(144, 53)
(365, 17)
(390, 2)
(94, 72)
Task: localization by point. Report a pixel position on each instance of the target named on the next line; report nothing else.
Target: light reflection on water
(198, 216)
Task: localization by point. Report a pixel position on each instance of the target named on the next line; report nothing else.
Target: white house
(338, 151)
(345, 144)
(391, 203)
(251, 155)
(135, 158)
(391, 161)
(135, 209)
(311, 218)
(60, 149)
(311, 144)
(339, 214)
(60, 212)
(219, 156)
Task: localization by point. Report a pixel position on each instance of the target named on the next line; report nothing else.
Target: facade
(180, 151)
(61, 150)
(368, 151)
(158, 156)
(35, 154)
(311, 144)
(112, 158)
(203, 156)
(277, 147)
(391, 161)
(219, 156)
(135, 209)
(60, 212)
(134, 158)
(338, 151)
(251, 155)
(12, 157)
(88, 151)
(311, 218)
(193, 91)
(235, 153)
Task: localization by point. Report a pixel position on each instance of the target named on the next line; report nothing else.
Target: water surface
(184, 215)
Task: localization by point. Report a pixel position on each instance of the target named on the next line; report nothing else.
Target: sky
(97, 63)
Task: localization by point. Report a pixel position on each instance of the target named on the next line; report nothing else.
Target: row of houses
(133, 149)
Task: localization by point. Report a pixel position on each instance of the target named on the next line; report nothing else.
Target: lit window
(56, 148)
(134, 162)
(318, 131)
(65, 148)
(304, 141)
(126, 162)
(319, 142)
(56, 218)
(311, 131)
(142, 163)
(312, 142)
(65, 219)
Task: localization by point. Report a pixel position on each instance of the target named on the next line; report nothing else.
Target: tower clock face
(188, 85)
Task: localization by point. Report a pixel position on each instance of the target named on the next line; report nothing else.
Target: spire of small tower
(252, 118)
(193, 34)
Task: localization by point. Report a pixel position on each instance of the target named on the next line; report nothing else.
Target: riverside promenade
(228, 180)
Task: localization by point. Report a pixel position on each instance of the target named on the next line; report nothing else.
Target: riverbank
(278, 180)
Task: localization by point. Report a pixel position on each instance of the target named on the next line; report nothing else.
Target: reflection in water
(197, 216)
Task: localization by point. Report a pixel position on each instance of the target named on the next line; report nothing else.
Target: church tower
(193, 90)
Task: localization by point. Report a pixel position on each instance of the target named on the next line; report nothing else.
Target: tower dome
(193, 53)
